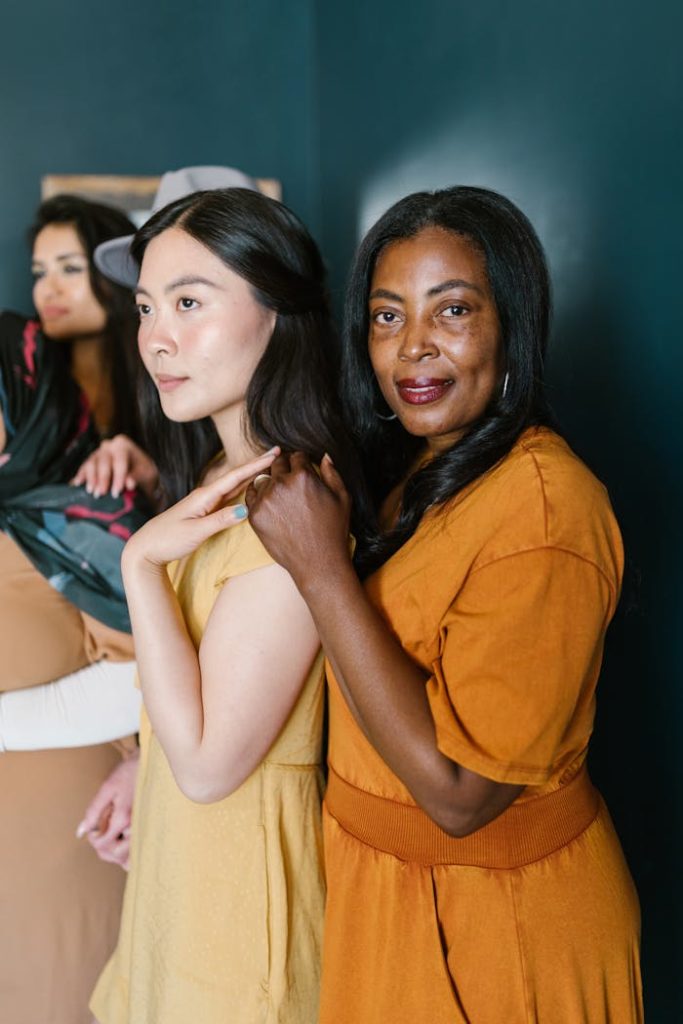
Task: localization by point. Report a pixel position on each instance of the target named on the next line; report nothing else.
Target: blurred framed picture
(132, 194)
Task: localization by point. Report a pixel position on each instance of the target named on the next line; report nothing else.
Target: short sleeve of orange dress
(503, 598)
(520, 643)
(522, 632)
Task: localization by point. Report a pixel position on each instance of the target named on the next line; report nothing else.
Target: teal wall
(134, 87)
(574, 111)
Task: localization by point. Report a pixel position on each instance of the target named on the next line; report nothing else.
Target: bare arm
(217, 711)
(303, 522)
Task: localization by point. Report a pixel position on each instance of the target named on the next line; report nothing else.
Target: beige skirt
(59, 904)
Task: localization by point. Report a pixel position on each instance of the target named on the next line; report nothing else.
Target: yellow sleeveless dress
(222, 917)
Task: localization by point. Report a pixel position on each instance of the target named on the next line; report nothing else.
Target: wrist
(135, 561)
(321, 577)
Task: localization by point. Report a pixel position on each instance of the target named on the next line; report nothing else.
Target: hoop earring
(506, 381)
(385, 418)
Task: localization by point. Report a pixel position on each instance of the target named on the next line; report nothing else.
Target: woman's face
(62, 292)
(434, 338)
(202, 332)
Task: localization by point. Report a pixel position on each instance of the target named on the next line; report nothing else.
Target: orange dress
(503, 598)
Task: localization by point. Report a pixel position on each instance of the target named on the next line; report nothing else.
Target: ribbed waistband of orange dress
(524, 833)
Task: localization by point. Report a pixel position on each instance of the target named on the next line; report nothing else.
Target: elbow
(458, 819)
(201, 792)
(457, 822)
(205, 788)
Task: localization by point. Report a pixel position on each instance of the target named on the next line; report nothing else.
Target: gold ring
(259, 478)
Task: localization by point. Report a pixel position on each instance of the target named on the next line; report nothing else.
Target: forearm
(168, 665)
(302, 518)
(384, 687)
(93, 705)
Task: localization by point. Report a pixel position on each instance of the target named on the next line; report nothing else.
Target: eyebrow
(64, 256)
(181, 282)
(445, 286)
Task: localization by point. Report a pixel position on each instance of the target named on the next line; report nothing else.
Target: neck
(230, 425)
(89, 373)
(86, 357)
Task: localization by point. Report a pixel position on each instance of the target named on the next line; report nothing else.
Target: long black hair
(291, 399)
(95, 223)
(518, 276)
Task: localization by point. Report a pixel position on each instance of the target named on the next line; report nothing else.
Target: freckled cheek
(473, 353)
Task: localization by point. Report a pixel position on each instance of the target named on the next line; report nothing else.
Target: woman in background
(473, 872)
(66, 679)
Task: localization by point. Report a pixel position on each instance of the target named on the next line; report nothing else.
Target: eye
(454, 310)
(143, 309)
(73, 268)
(385, 316)
(186, 303)
(37, 273)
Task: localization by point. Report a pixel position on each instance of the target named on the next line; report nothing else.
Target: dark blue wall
(131, 87)
(574, 111)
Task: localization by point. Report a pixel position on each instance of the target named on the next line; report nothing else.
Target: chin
(177, 414)
(56, 332)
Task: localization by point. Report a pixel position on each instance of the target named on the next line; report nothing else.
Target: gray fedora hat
(113, 258)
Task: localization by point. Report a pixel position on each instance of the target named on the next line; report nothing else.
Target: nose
(155, 336)
(49, 284)
(418, 341)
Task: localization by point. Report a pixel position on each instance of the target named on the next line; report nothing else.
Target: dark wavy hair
(291, 399)
(518, 276)
(95, 223)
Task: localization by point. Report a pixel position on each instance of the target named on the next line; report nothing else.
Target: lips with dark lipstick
(423, 390)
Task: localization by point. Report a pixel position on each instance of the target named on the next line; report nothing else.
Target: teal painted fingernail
(240, 511)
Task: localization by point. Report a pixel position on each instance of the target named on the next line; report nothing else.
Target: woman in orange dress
(474, 874)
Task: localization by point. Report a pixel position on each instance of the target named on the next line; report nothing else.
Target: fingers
(111, 840)
(118, 822)
(234, 480)
(110, 467)
(96, 473)
(119, 470)
(115, 851)
(301, 461)
(331, 477)
(281, 466)
(289, 465)
(87, 474)
(221, 519)
(97, 812)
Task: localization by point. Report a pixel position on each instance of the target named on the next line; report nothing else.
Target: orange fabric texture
(503, 598)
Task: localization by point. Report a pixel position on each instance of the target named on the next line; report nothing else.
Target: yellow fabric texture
(222, 918)
(503, 598)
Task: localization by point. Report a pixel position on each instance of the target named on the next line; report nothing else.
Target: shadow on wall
(612, 385)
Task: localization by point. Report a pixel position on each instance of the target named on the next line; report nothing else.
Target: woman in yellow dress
(223, 909)
(474, 875)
